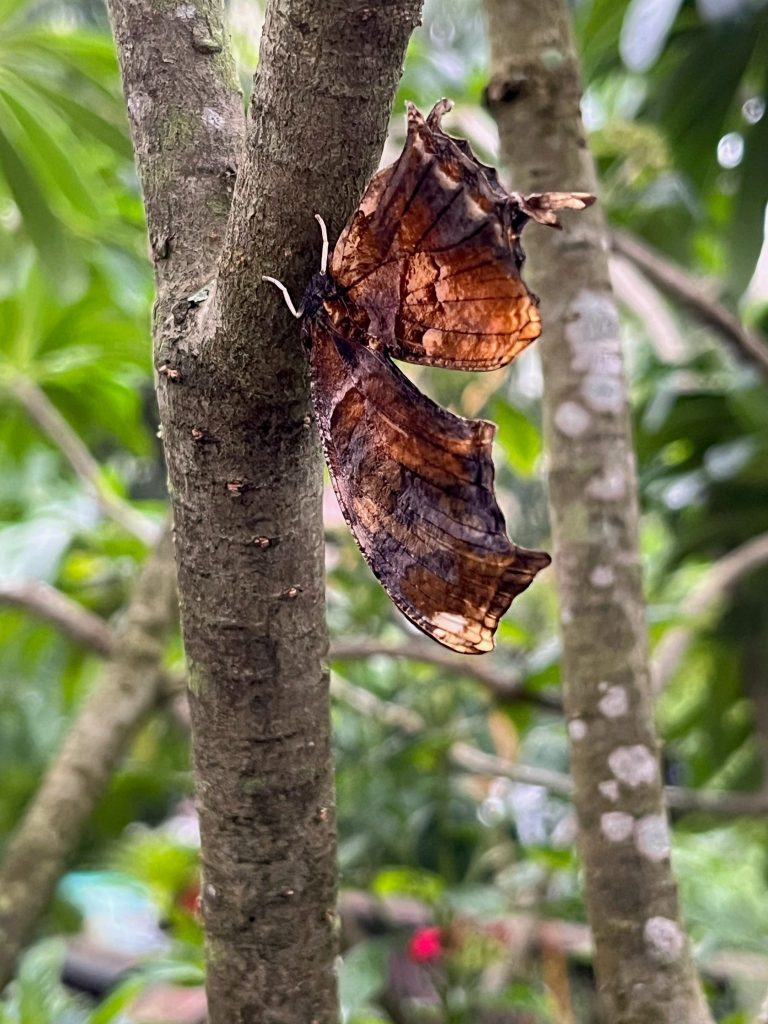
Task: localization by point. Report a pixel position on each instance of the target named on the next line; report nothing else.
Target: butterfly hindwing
(415, 484)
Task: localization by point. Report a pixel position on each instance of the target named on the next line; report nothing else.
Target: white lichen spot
(593, 334)
(185, 11)
(212, 118)
(602, 576)
(664, 938)
(609, 789)
(566, 616)
(609, 485)
(616, 826)
(603, 686)
(210, 890)
(603, 394)
(139, 105)
(634, 766)
(652, 837)
(577, 729)
(571, 419)
(615, 702)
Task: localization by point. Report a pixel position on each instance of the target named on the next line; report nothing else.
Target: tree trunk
(243, 456)
(642, 958)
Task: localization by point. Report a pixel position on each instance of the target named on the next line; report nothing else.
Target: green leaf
(518, 436)
(40, 222)
(111, 1008)
(421, 885)
(37, 141)
(363, 975)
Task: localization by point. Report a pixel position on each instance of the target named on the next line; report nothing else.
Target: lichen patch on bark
(617, 826)
(664, 938)
(633, 765)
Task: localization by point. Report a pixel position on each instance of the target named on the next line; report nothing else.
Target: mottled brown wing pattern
(426, 270)
(415, 484)
(430, 262)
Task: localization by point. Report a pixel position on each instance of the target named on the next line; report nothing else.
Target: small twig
(47, 603)
(48, 418)
(52, 827)
(723, 575)
(676, 282)
(506, 685)
(368, 704)
(480, 763)
(685, 800)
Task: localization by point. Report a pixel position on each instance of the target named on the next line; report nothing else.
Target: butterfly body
(427, 270)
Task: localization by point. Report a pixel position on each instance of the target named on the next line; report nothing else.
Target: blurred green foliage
(675, 94)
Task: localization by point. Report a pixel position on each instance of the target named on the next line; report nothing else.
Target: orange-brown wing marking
(415, 484)
(430, 260)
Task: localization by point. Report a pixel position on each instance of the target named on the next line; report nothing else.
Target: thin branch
(48, 418)
(478, 762)
(762, 1015)
(684, 800)
(675, 281)
(369, 705)
(721, 577)
(506, 685)
(52, 828)
(49, 604)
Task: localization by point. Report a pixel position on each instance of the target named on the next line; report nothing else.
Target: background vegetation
(461, 888)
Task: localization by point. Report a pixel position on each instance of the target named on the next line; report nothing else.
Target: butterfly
(427, 270)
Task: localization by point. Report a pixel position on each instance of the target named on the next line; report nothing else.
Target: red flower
(189, 899)
(425, 945)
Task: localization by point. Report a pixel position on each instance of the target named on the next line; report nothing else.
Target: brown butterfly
(427, 270)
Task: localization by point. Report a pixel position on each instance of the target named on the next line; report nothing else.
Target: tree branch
(70, 618)
(721, 577)
(642, 956)
(505, 685)
(45, 414)
(680, 285)
(186, 114)
(478, 762)
(40, 849)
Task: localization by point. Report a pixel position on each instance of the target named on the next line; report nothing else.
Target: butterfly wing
(430, 262)
(415, 484)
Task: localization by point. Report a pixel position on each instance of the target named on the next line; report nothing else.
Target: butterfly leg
(298, 313)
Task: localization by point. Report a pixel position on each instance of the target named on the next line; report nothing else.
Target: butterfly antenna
(324, 254)
(286, 295)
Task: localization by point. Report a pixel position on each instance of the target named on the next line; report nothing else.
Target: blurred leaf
(421, 885)
(121, 997)
(520, 439)
(363, 974)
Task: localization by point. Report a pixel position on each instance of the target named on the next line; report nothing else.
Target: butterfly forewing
(430, 261)
(415, 484)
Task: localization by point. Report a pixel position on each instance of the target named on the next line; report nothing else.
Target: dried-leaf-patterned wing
(415, 484)
(430, 262)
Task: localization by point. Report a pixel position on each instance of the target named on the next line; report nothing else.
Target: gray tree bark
(642, 958)
(244, 462)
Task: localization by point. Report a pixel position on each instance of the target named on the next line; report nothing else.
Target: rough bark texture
(52, 827)
(243, 455)
(642, 958)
